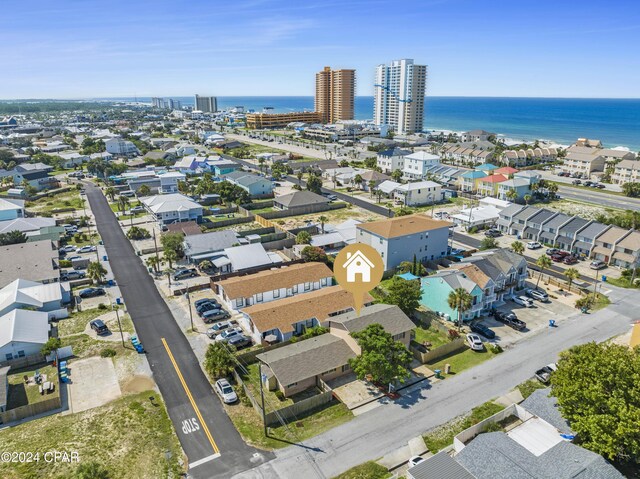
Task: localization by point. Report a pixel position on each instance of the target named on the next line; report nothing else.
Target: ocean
(616, 122)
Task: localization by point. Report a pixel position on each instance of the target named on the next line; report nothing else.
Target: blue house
(436, 290)
(11, 209)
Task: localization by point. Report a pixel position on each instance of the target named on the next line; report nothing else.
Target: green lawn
(83, 239)
(367, 470)
(116, 209)
(131, 437)
(442, 436)
(85, 346)
(462, 360)
(432, 335)
(528, 387)
(21, 394)
(76, 322)
(580, 187)
(252, 380)
(66, 199)
(621, 282)
(249, 425)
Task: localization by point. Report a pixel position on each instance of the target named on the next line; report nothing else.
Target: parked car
(215, 315)
(510, 319)
(87, 249)
(576, 182)
(185, 273)
(67, 249)
(217, 328)
(480, 328)
(588, 183)
(492, 233)
(69, 275)
(533, 245)
(544, 374)
(597, 264)
(239, 342)
(557, 258)
(228, 334)
(73, 258)
(99, 327)
(415, 460)
(225, 391)
(601, 186)
(570, 259)
(523, 301)
(538, 294)
(203, 308)
(474, 342)
(91, 292)
(551, 251)
(137, 209)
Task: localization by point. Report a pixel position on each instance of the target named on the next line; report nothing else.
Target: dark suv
(185, 273)
(99, 327)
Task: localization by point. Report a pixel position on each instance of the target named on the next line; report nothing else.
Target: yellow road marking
(193, 403)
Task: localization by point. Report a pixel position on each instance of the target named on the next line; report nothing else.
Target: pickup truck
(510, 319)
(544, 374)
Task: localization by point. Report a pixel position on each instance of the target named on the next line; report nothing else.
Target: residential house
(605, 243)
(533, 225)
(586, 238)
(120, 147)
(530, 156)
(204, 246)
(567, 232)
(627, 171)
(583, 162)
(519, 220)
(48, 298)
(10, 209)
(488, 186)
(418, 193)
(156, 156)
(299, 199)
(588, 143)
(103, 155)
(440, 465)
(416, 164)
(34, 261)
(257, 186)
(4, 387)
(391, 160)
(370, 176)
(470, 180)
(222, 165)
(71, 159)
(183, 149)
(521, 186)
(287, 317)
(36, 229)
(507, 269)
(626, 252)
(38, 179)
(467, 154)
(22, 333)
(244, 257)
(169, 181)
(401, 238)
(437, 287)
(479, 216)
(191, 164)
(306, 364)
(477, 135)
(172, 208)
(270, 285)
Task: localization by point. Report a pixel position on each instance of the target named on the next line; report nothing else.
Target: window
(259, 298)
(9, 356)
(380, 240)
(21, 354)
(307, 286)
(239, 302)
(276, 293)
(323, 281)
(295, 288)
(399, 336)
(329, 371)
(292, 385)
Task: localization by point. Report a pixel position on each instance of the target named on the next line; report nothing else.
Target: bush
(453, 334)
(494, 348)
(64, 263)
(107, 353)
(473, 230)
(242, 396)
(102, 306)
(280, 395)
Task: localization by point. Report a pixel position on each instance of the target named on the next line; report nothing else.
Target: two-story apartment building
(567, 232)
(626, 252)
(169, 181)
(586, 237)
(418, 193)
(436, 289)
(488, 186)
(255, 185)
(583, 162)
(627, 171)
(416, 164)
(400, 239)
(173, 208)
(534, 223)
(270, 285)
(519, 221)
(605, 243)
(551, 228)
(391, 160)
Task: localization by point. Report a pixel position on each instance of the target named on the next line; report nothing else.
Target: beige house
(626, 253)
(605, 244)
(583, 163)
(627, 171)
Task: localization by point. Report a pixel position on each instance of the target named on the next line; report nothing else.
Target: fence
(229, 222)
(545, 278)
(249, 357)
(298, 409)
(424, 356)
(18, 363)
(30, 410)
(304, 210)
(219, 277)
(279, 244)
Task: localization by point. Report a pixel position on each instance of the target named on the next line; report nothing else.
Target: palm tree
(205, 265)
(552, 189)
(123, 202)
(323, 220)
(526, 199)
(396, 175)
(517, 247)
(110, 192)
(543, 262)
(358, 180)
(144, 190)
(96, 272)
(299, 175)
(153, 262)
(261, 161)
(170, 256)
(460, 300)
(571, 275)
(512, 195)
(372, 186)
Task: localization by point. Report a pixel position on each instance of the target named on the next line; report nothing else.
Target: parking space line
(193, 403)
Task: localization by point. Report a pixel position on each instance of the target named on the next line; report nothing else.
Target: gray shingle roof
(209, 242)
(390, 317)
(574, 225)
(511, 210)
(593, 230)
(546, 407)
(557, 221)
(440, 466)
(541, 216)
(300, 198)
(526, 213)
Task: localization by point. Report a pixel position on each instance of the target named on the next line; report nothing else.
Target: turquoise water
(614, 121)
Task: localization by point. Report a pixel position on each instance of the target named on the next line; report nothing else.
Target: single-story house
(255, 185)
(243, 257)
(10, 209)
(208, 245)
(34, 261)
(49, 298)
(299, 199)
(22, 333)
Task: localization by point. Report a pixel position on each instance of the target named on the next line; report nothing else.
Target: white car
(228, 334)
(474, 342)
(533, 245)
(86, 249)
(68, 249)
(225, 391)
(415, 460)
(523, 301)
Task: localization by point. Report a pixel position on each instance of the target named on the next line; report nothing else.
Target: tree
(404, 294)
(123, 203)
(205, 265)
(381, 356)
(372, 187)
(571, 274)
(314, 253)
(137, 233)
(543, 262)
(170, 256)
(144, 190)
(173, 242)
(526, 199)
(396, 175)
(153, 262)
(511, 195)
(323, 220)
(218, 360)
(631, 189)
(314, 184)
(110, 192)
(552, 189)
(91, 470)
(417, 269)
(460, 300)
(299, 175)
(597, 389)
(517, 247)
(96, 272)
(51, 345)
(304, 237)
(488, 243)
(358, 180)
(261, 162)
(12, 237)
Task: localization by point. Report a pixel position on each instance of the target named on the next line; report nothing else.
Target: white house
(190, 164)
(169, 181)
(10, 209)
(22, 333)
(416, 164)
(418, 193)
(118, 146)
(391, 160)
(72, 158)
(49, 298)
(173, 208)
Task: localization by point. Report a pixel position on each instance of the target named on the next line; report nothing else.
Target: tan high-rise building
(335, 92)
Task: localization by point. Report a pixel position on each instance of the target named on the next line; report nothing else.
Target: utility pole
(190, 309)
(155, 244)
(264, 420)
(119, 324)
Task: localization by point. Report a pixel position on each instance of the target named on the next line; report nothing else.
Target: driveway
(93, 383)
(353, 392)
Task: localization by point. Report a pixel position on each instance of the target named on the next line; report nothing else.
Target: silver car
(225, 391)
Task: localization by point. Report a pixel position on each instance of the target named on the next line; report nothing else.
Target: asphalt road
(386, 428)
(202, 425)
(600, 198)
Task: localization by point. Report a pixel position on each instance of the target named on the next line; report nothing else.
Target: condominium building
(399, 96)
(280, 120)
(206, 104)
(335, 91)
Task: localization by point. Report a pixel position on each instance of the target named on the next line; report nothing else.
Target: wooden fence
(18, 363)
(425, 356)
(30, 410)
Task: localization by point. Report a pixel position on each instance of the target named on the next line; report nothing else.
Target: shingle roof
(285, 277)
(440, 466)
(209, 242)
(300, 198)
(612, 235)
(305, 359)
(390, 317)
(474, 273)
(546, 407)
(33, 261)
(403, 225)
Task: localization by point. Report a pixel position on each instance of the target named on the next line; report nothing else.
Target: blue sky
(80, 49)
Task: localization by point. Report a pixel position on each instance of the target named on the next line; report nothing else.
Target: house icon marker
(358, 264)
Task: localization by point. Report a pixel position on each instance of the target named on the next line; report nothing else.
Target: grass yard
(432, 335)
(461, 361)
(64, 200)
(130, 437)
(367, 470)
(528, 387)
(77, 322)
(621, 282)
(249, 425)
(602, 301)
(252, 380)
(442, 436)
(85, 346)
(83, 239)
(21, 394)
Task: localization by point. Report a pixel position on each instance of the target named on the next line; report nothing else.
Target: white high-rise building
(206, 104)
(399, 92)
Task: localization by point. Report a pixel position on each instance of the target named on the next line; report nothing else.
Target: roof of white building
(23, 326)
(10, 204)
(30, 293)
(26, 224)
(418, 185)
(171, 202)
(388, 186)
(248, 256)
(422, 156)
